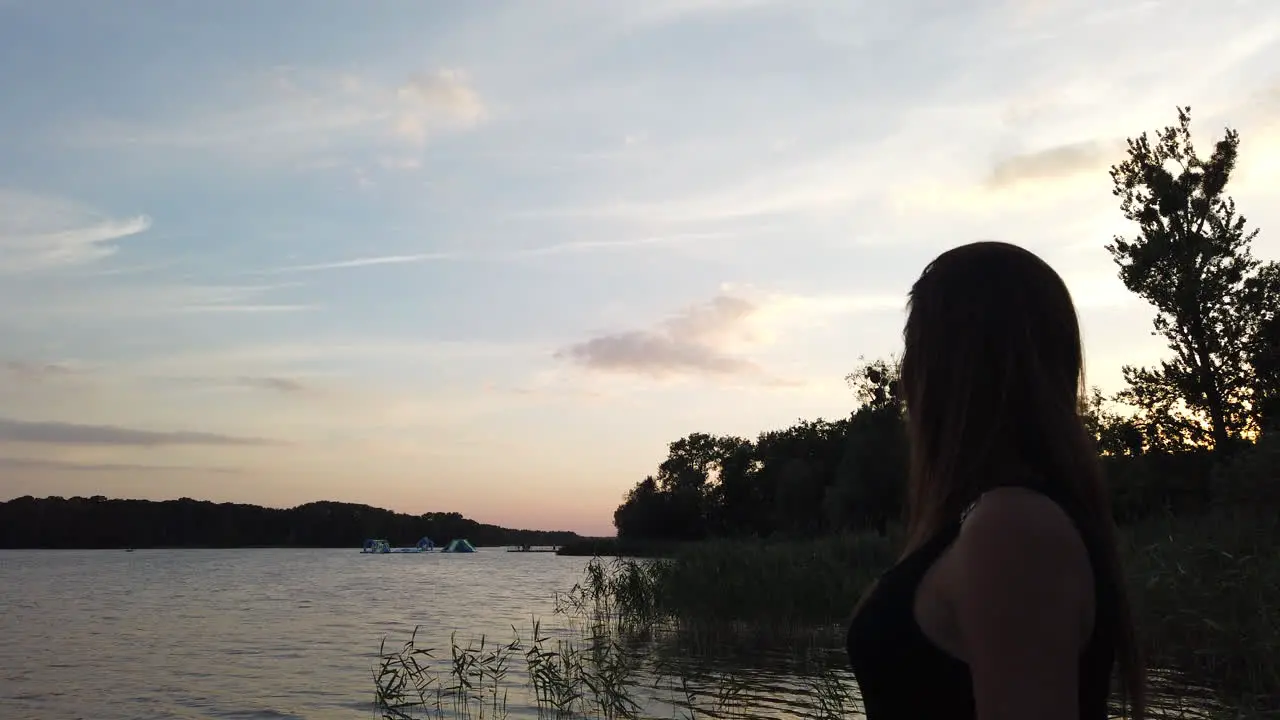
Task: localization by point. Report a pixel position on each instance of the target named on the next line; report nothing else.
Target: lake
(246, 634)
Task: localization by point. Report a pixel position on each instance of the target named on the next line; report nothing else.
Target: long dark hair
(993, 379)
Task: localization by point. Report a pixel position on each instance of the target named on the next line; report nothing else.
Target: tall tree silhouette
(1190, 259)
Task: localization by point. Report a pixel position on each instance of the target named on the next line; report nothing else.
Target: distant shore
(112, 524)
(125, 548)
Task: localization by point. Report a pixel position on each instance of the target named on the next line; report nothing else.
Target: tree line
(98, 522)
(1173, 440)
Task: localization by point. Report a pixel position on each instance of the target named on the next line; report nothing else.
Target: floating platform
(382, 547)
(459, 545)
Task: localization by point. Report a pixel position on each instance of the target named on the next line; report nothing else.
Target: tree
(871, 477)
(705, 486)
(687, 478)
(1114, 434)
(642, 513)
(877, 384)
(97, 522)
(736, 503)
(797, 466)
(1263, 346)
(1191, 260)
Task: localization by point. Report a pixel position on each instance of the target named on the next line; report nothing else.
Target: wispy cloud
(61, 433)
(361, 262)
(30, 372)
(431, 102)
(267, 383)
(587, 246)
(326, 357)
(1055, 162)
(714, 338)
(565, 248)
(215, 309)
(40, 233)
(338, 118)
(288, 386)
(653, 15)
(168, 298)
(36, 464)
(689, 342)
(706, 185)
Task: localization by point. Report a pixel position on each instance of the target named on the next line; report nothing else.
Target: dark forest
(98, 522)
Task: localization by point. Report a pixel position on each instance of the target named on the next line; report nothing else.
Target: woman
(1008, 602)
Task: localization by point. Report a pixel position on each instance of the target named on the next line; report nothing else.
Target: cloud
(41, 233)
(689, 342)
(268, 383)
(60, 433)
(1054, 163)
(247, 309)
(288, 386)
(431, 101)
(18, 464)
(830, 180)
(712, 338)
(313, 119)
(564, 248)
(337, 369)
(135, 300)
(585, 246)
(30, 372)
(363, 262)
(653, 353)
(663, 12)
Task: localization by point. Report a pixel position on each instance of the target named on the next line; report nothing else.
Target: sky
(492, 257)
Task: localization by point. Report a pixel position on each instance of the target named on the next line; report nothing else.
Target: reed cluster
(1206, 593)
(474, 682)
(600, 678)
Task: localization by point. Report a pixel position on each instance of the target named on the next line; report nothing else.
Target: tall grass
(723, 592)
(779, 587)
(600, 678)
(1207, 599)
(563, 679)
(1206, 594)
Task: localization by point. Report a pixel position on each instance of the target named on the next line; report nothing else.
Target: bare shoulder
(1023, 564)
(1019, 521)
(1023, 605)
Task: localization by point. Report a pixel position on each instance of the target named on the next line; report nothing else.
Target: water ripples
(242, 633)
(293, 634)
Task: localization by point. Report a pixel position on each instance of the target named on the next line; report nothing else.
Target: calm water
(266, 633)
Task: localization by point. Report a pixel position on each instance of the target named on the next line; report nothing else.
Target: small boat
(382, 547)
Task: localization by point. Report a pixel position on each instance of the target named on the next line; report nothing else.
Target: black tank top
(902, 675)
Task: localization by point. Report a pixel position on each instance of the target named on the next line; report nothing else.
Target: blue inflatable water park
(375, 546)
(382, 547)
(459, 545)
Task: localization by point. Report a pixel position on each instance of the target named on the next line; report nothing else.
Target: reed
(746, 592)
(1205, 592)
(1207, 598)
(600, 678)
(592, 679)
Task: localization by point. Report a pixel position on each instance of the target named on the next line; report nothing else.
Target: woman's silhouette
(1008, 601)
